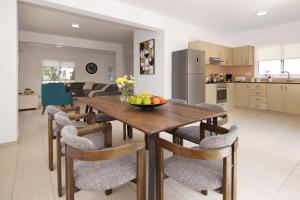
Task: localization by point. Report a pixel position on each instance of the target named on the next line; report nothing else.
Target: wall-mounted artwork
(147, 57)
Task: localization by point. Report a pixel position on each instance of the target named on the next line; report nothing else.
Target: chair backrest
(55, 94)
(180, 101)
(53, 109)
(211, 106)
(62, 119)
(219, 141)
(71, 138)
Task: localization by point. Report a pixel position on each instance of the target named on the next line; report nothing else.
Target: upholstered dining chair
(210, 166)
(88, 168)
(193, 133)
(99, 139)
(52, 110)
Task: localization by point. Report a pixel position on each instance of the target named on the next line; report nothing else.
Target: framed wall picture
(147, 57)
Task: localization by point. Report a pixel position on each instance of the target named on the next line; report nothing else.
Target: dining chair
(193, 133)
(52, 110)
(88, 168)
(99, 139)
(212, 165)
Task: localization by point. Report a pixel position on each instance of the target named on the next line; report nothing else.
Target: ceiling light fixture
(75, 25)
(58, 46)
(261, 13)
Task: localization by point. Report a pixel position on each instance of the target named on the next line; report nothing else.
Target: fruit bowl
(146, 106)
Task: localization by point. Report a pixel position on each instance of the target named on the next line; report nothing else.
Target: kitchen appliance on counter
(228, 77)
(188, 76)
(240, 79)
(221, 92)
(215, 61)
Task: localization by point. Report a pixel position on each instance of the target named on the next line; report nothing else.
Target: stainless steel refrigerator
(188, 75)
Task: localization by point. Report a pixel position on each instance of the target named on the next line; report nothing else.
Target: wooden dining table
(151, 122)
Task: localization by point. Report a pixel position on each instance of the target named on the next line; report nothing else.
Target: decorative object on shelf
(91, 68)
(146, 100)
(28, 91)
(125, 83)
(147, 57)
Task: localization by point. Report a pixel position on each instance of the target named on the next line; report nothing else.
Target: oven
(221, 92)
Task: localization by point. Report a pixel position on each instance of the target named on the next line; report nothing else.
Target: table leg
(129, 131)
(152, 166)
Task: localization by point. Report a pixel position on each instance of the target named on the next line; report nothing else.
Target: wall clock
(91, 68)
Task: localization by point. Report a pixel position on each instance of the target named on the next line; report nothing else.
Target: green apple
(138, 100)
(131, 99)
(146, 101)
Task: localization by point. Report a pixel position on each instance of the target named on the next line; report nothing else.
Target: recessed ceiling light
(261, 13)
(75, 25)
(58, 46)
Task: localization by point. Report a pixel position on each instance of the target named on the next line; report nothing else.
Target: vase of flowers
(125, 83)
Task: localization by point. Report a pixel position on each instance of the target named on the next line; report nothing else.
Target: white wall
(42, 38)
(150, 83)
(176, 34)
(32, 56)
(9, 72)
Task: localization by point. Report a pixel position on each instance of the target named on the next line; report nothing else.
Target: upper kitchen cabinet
(213, 50)
(243, 56)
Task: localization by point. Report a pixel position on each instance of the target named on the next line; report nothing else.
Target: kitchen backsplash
(247, 71)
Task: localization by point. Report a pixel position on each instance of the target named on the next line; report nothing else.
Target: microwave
(215, 61)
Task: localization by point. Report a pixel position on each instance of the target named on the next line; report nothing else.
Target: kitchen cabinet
(213, 50)
(284, 98)
(243, 56)
(242, 94)
(230, 96)
(258, 96)
(211, 93)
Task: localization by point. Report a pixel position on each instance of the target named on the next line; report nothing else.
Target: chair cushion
(79, 124)
(211, 106)
(102, 117)
(190, 133)
(179, 101)
(197, 174)
(103, 175)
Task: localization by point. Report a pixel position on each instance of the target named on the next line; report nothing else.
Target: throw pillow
(88, 85)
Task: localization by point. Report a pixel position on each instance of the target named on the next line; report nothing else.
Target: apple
(162, 100)
(138, 100)
(147, 101)
(131, 99)
(155, 100)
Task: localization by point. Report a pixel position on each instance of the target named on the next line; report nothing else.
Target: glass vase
(124, 95)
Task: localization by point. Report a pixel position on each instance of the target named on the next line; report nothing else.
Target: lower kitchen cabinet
(211, 93)
(284, 98)
(230, 96)
(242, 94)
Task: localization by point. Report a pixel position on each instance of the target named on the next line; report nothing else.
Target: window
(269, 67)
(58, 71)
(292, 65)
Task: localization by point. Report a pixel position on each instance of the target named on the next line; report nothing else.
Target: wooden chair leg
(146, 140)
(141, 175)
(44, 108)
(234, 172)
(58, 163)
(159, 174)
(176, 140)
(227, 178)
(70, 187)
(50, 142)
(124, 131)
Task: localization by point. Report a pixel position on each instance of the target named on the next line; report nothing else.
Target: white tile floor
(268, 161)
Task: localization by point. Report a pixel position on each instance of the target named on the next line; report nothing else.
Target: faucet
(289, 76)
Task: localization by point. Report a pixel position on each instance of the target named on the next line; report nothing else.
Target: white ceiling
(225, 16)
(45, 20)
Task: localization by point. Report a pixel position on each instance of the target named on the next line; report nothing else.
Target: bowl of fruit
(146, 100)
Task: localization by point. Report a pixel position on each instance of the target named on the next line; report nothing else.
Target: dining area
(92, 163)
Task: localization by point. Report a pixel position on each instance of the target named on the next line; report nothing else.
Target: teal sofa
(55, 94)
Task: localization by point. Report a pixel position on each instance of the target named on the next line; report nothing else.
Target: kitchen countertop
(260, 82)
